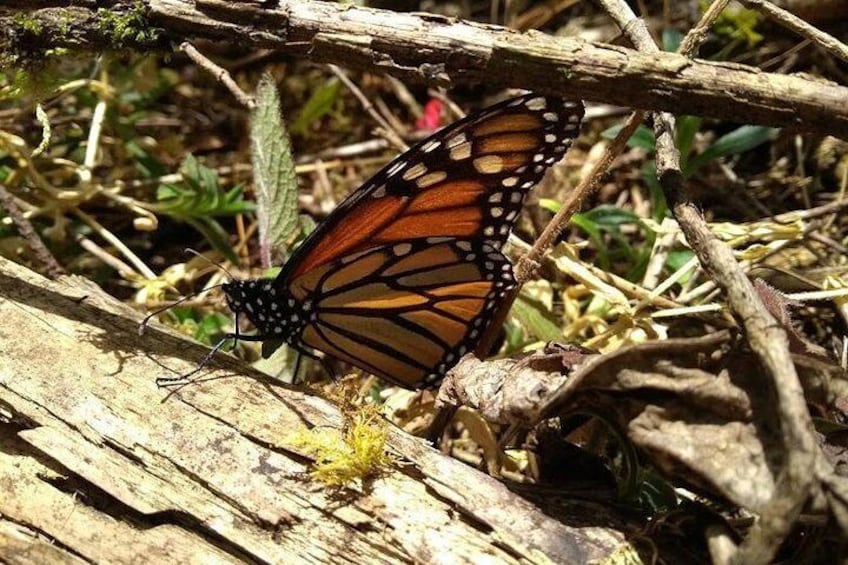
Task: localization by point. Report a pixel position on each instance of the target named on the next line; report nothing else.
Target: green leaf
(273, 173)
(536, 318)
(215, 235)
(738, 141)
(671, 39)
(687, 127)
(642, 138)
(198, 199)
(550, 205)
(199, 195)
(318, 106)
(147, 165)
(658, 202)
(677, 258)
(608, 216)
(594, 232)
(828, 427)
(211, 327)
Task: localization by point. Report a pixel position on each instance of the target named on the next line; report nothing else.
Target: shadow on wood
(98, 463)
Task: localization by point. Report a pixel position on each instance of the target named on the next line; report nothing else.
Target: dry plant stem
(767, 339)
(799, 26)
(142, 269)
(698, 34)
(25, 229)
(90, 159)
(120, 267)
(221, 74)
(391, 134)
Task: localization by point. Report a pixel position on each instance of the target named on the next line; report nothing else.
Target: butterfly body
(403, 277)
(273, 314)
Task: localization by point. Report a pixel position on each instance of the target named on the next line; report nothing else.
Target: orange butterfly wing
(404, 276)
(468, 180)
(406, 312)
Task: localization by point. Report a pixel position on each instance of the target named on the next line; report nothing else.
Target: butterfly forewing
(467, 181)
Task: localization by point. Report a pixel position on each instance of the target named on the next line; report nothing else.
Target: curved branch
(444, 51)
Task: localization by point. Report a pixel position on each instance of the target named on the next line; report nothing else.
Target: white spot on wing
(395, 168)
(415, 171)
(536, 103)
(431, 179)
(489, 164)
(461, 152)
(458, 139)
(431, 145)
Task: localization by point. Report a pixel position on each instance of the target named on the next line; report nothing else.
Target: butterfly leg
(182, 379)
(302, 350)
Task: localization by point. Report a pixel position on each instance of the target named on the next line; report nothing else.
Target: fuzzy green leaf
(273, 173)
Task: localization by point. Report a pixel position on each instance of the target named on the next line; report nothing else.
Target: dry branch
(443, 51)
(98, 460)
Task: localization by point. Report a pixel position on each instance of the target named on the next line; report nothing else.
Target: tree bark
(444, 51)
(98, 464)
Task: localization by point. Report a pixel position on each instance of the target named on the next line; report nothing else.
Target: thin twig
(698, 34)
(221, 74)
(120, 267)
(659, 255)
(93, 143)
(25, 229)
(526, 266)
(143, 269)
(799, 26)
(393, 137)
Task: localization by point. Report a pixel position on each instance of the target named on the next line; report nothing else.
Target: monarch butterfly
(403, 277)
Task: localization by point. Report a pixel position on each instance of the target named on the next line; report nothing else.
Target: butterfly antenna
(146, 320)
(208, 260)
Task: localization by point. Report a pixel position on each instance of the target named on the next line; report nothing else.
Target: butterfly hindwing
(406, 312)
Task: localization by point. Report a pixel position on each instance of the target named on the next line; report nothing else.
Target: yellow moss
(356, 453)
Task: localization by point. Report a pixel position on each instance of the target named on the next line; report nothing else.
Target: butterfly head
(274, 313)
